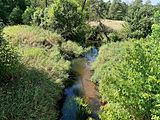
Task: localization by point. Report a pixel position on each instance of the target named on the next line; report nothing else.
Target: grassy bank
(127, 74)
(35, 88)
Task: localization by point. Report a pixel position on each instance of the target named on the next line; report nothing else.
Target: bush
(38, 16)
(65, 17)
(71, 49)
(8, 62)
(128, 77)
(23, 35)
(27, 15)
(50, 61)
(1, 24)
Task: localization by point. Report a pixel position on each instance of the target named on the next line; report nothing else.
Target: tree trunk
(84, 3)
(46, 3)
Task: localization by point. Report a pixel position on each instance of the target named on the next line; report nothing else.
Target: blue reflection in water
(70, 107)
(91, 55)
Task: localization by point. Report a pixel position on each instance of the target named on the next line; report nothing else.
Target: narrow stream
(82, 87)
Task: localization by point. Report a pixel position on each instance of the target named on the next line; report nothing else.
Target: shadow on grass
(32, 95)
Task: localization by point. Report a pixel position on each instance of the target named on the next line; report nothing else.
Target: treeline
(69, 17)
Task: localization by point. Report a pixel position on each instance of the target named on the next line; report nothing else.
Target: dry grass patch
(113, 24)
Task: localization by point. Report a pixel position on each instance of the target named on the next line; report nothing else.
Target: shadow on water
(82, 87)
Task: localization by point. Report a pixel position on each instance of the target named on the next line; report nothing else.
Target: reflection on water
(70, 107)
(82, 87)
(91, 55)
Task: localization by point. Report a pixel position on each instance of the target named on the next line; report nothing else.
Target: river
(82, 87)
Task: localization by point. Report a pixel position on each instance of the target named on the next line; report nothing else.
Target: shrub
(1, 24)
(38, 16)
(23, 35)
(67, 17)
(128, 77)
(8, 62)
(71, 49)
(27, 15)
(155, 31)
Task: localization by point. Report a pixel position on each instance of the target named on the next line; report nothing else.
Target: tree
(15, 16)
(27, 15)
(84, 3)
(8, 6)
(139, 18)
(67, 17)
(40, 3)
(97, 9)
(157, 17)
(117, 10)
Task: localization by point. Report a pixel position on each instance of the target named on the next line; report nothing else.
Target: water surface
(82, 87)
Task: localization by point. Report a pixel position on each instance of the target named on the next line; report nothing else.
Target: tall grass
(40, 78)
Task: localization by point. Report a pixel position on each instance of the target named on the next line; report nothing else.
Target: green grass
(33, 92)
(33, 36)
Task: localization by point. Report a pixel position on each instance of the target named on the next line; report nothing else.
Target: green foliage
(31, 95)
(38, 16)
(114, 37)
(97, 9)
(156, 27)
(8, 61)
(27, 15)
(38, 37)
(11, 11)
(140, 19)
(68, 18)
(49, 61)
(71, 49)
(155, 31)
(117, 10)
(157, 17)
(39, 3)
(83, 107)
(114, 111)
(33, 36)
(37, 84)
(15, 16)
(65, 17)
(1, 25)
(128, 75)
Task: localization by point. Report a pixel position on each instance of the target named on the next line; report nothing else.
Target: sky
(154, 2)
